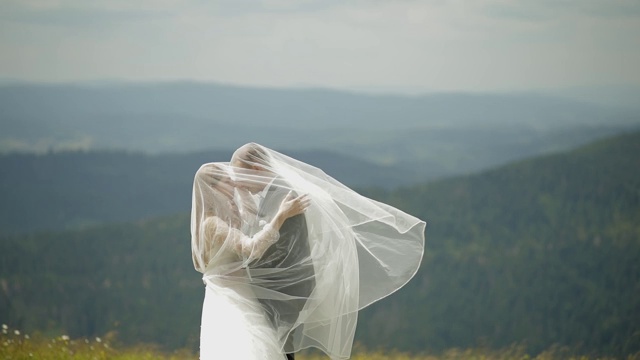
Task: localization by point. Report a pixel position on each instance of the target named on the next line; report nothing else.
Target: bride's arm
(250, 248)
(253, 247)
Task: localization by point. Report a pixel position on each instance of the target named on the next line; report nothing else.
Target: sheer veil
(344, 253)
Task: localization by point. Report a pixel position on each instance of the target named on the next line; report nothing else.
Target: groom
(290, 255)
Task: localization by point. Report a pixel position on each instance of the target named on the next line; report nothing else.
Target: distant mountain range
(623, 96)
(620, 96)
(63, 190)
(436, 135)
(541, 252)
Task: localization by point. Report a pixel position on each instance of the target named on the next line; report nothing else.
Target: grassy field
(17, 345)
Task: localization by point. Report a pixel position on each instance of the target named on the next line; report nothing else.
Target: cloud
(541, 10)
(85, 14)
(437, 44)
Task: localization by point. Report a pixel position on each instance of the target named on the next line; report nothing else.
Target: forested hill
(540, 252)
(65, 190)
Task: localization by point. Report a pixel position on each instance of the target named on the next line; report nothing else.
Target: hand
(292, 205)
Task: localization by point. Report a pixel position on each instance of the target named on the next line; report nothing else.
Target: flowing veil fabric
(357, 250)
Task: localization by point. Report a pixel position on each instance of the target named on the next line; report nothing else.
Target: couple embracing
(289, 255)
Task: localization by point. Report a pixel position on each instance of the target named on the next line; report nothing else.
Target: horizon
(622, 96)
(373, 90)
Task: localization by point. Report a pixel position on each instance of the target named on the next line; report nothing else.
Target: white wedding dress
(234, 325)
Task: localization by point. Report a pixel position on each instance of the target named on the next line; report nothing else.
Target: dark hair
(252, 153)
(210, 174)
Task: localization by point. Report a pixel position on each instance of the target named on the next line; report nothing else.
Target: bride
(233, 322)
(348, 251)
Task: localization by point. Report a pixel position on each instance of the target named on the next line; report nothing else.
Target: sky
(404, 45)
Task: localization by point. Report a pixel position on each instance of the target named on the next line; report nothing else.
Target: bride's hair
(206, 180)
(214, 174)
(250, 155)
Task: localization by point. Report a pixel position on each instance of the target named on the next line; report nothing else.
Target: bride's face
(225, 186)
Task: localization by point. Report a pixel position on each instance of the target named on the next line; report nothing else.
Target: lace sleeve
(250, 248)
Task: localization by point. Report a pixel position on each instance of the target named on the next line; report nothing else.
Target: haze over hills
(621, 96)
(539, 252)
(437, 135)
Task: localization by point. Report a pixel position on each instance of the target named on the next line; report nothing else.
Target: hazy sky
(430, 44)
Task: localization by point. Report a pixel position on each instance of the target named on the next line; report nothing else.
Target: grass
(15, 345)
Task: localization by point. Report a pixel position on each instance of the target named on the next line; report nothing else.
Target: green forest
(538, 253)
